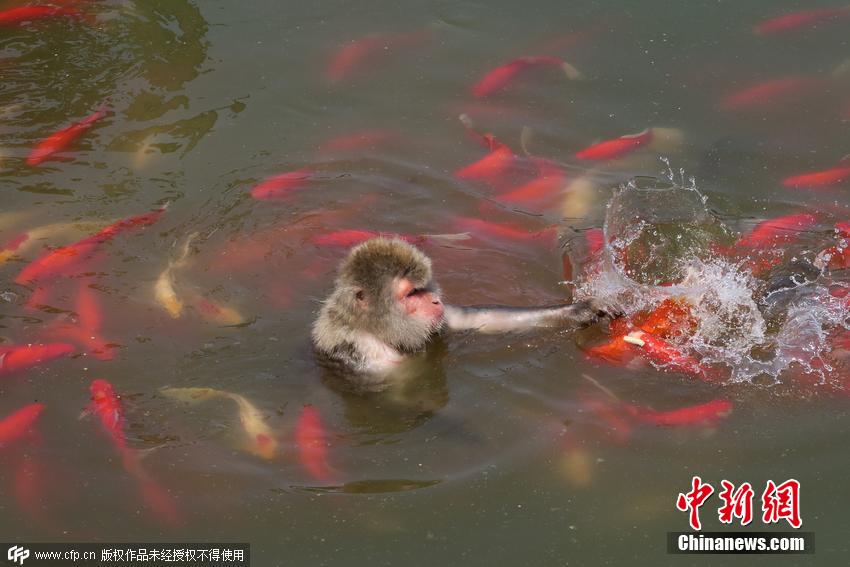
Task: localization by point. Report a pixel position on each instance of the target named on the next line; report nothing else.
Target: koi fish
(24, 242)
(504, 231)
(60, 260)
(802, 19)
(491, 167)
(350, 58)
(57, 141)
(311, 441)
(498, 78)
(595, 240)
(580, 196)
(835, 257)
(163, 289)
(615, 350)
(549, 182)
(106, 405)
(771, 232)
(363, 139)
(18, 423)
(768, 92)
(827, 177)
(616, 148)
(19, 357)
(259, 438)
(670, 318)
(23, 14)
(665, 354)
(843, 229)
(618, 426)
(218, 313)
(280, 186)
(86, 331)
(692, 415)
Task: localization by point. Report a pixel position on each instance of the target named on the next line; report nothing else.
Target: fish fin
(571, 72)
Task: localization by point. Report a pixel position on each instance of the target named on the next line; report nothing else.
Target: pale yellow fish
(216, 312)
(576, 465)
(55, 234)
(143, 154)
(580, 196)
(164, 292)
(259, 438)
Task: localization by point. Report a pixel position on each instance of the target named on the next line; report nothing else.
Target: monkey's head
(385, 287)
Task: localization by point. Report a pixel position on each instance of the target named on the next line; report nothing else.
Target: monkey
(386, 307)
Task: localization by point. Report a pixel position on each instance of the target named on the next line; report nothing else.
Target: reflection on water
(565, 455)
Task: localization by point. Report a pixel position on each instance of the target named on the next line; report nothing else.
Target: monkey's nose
(436, 302)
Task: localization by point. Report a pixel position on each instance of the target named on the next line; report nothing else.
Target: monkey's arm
(500, 318)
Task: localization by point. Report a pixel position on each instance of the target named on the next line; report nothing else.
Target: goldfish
(616, 148)
(672, 317)
(106, 405)
(18, 423)
(58, 261)
(22, 243)
(843, 229)
(505, 231)
(498, 78)
(259, 438)
(363, 139)
(280, 186)
(549, 182)
(665, 354)
(218, 313)
(771, 232)
(835, 257)
(57, 141)
(767, 92)
(691, 415)
(802, 19)
(311, 441)
(491, 167)
(824, 178)
(20, 357)
(579, 197)
(164, 292)
(23, 14)
(615, 350)
(595, 240)
(350, 57)
(86, 331)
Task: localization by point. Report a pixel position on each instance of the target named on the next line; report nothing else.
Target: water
(493, 456)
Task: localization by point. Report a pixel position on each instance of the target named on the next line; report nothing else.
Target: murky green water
(477, 464)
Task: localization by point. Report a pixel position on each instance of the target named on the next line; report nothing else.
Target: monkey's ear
(360, 296)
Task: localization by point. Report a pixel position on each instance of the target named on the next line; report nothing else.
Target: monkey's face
(419, 302)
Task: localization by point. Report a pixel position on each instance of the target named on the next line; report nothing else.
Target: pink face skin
(418, 302)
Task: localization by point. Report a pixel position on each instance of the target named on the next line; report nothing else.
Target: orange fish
(19, 357)
(827, 177)
(23, 14)
(363, 139)
(550, 181)
(802, 19)
(498, 78)
(780, 230)
(700, 414)
(491, 168)
(665, 354)
(348, 238)
(350, 58)
(280, 186)
(616, 148)
(86, 331)
(505, 231)
(18, 423)
(311, 441)
(57, 141)
(767, 92)
(835, 257)
(58, 261)
(843, 229)
(615, 350)
(595, 240)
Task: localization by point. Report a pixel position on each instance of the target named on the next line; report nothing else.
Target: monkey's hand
(500, 318)
(590, 311)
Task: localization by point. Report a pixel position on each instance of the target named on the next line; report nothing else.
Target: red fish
(363, 139)
(801, 19)
(780, 230)
(280, 186)
(23, 14)
(665, 354)
(57, 141)
(12, 245)
(616, 148)
(58, 261)
(19, 423)
(19, 357)
(86, 331)
(505, 231)
(619, 426)
(549, 182)
(345, 238)
(767, 92)
(106, 405)
(708, 412)
(615, 350)
(491, 167)
(350, 58)
(595, 240)
(498, 78)
(835, 257)
(843, 229)
(827, 177)
(312, 443)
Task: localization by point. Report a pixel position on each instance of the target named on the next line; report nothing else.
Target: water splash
(661, 242)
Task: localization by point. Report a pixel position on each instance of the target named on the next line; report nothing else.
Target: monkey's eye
(415, 291)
